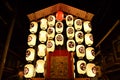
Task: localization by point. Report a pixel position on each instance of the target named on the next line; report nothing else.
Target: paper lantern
(41, 50)
(71, 45)
(79, 37)
(42, 36)
(59, 16)
(50, 46)
(59, 27)
(50, 32)
(29, 71)
(33, 27)
(70, 32)
(80, 51)
(30, 54)
(91, 70)
(45, 58)
(40, 66)
(88, 39)
(90, 53)
(69, 20)
(51, 20)
(81, 67)
(78, 24)
(59, 39)
(31, 40)
(43, 23)
(87, 26)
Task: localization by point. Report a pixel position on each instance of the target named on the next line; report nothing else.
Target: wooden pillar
(3, 60)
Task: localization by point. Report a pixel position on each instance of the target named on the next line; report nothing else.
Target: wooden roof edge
(63, 7)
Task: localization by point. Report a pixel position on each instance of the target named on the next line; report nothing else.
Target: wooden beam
(108, 33)
(63, 7)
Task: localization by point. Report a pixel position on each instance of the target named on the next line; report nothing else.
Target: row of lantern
(88, 68)
(59, 25)
(30, 70)
(81, 51)
(59, 38)
(82, 68)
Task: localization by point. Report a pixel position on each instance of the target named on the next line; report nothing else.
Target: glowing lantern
(90, 53)
(79, 37)
(70, 32)
(51, 20)
(43, 24)
(30, 54)
(33, 27)
(78, 24)
(80, 51)
(71, 45)
(40, 66)
(29, 71)
(45, 58)
(91, 70)
(88, 39)
(87, 26)
(59, 39)
(31, 40)
(59, 16)
(41, 50)
(50, 46)
(42, 36)
(50, 32)
(74, 74)
(81, 67)
(69, 20)
(59, 27)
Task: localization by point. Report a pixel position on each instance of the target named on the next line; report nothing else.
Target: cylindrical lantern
(29, 71)
(91, 70)
(71, 45)
(81, 66)
(59, 16)
(87, 26)
(78, 24)
(59, 27)
(42, 36)
(88, 39)
(90, 53)
(51, 20)
(50, 32)
(69, 20)
(30, 54)
(79, 37)
(40, 66)
(59, 39)
(33, 27)
(41, 50)
(43, 23)
(31, 40)
(50, 46)
(70, 32)
(80, 51)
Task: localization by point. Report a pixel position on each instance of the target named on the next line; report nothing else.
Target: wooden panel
(63, 7)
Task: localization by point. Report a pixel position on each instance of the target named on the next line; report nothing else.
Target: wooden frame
(63, 7)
